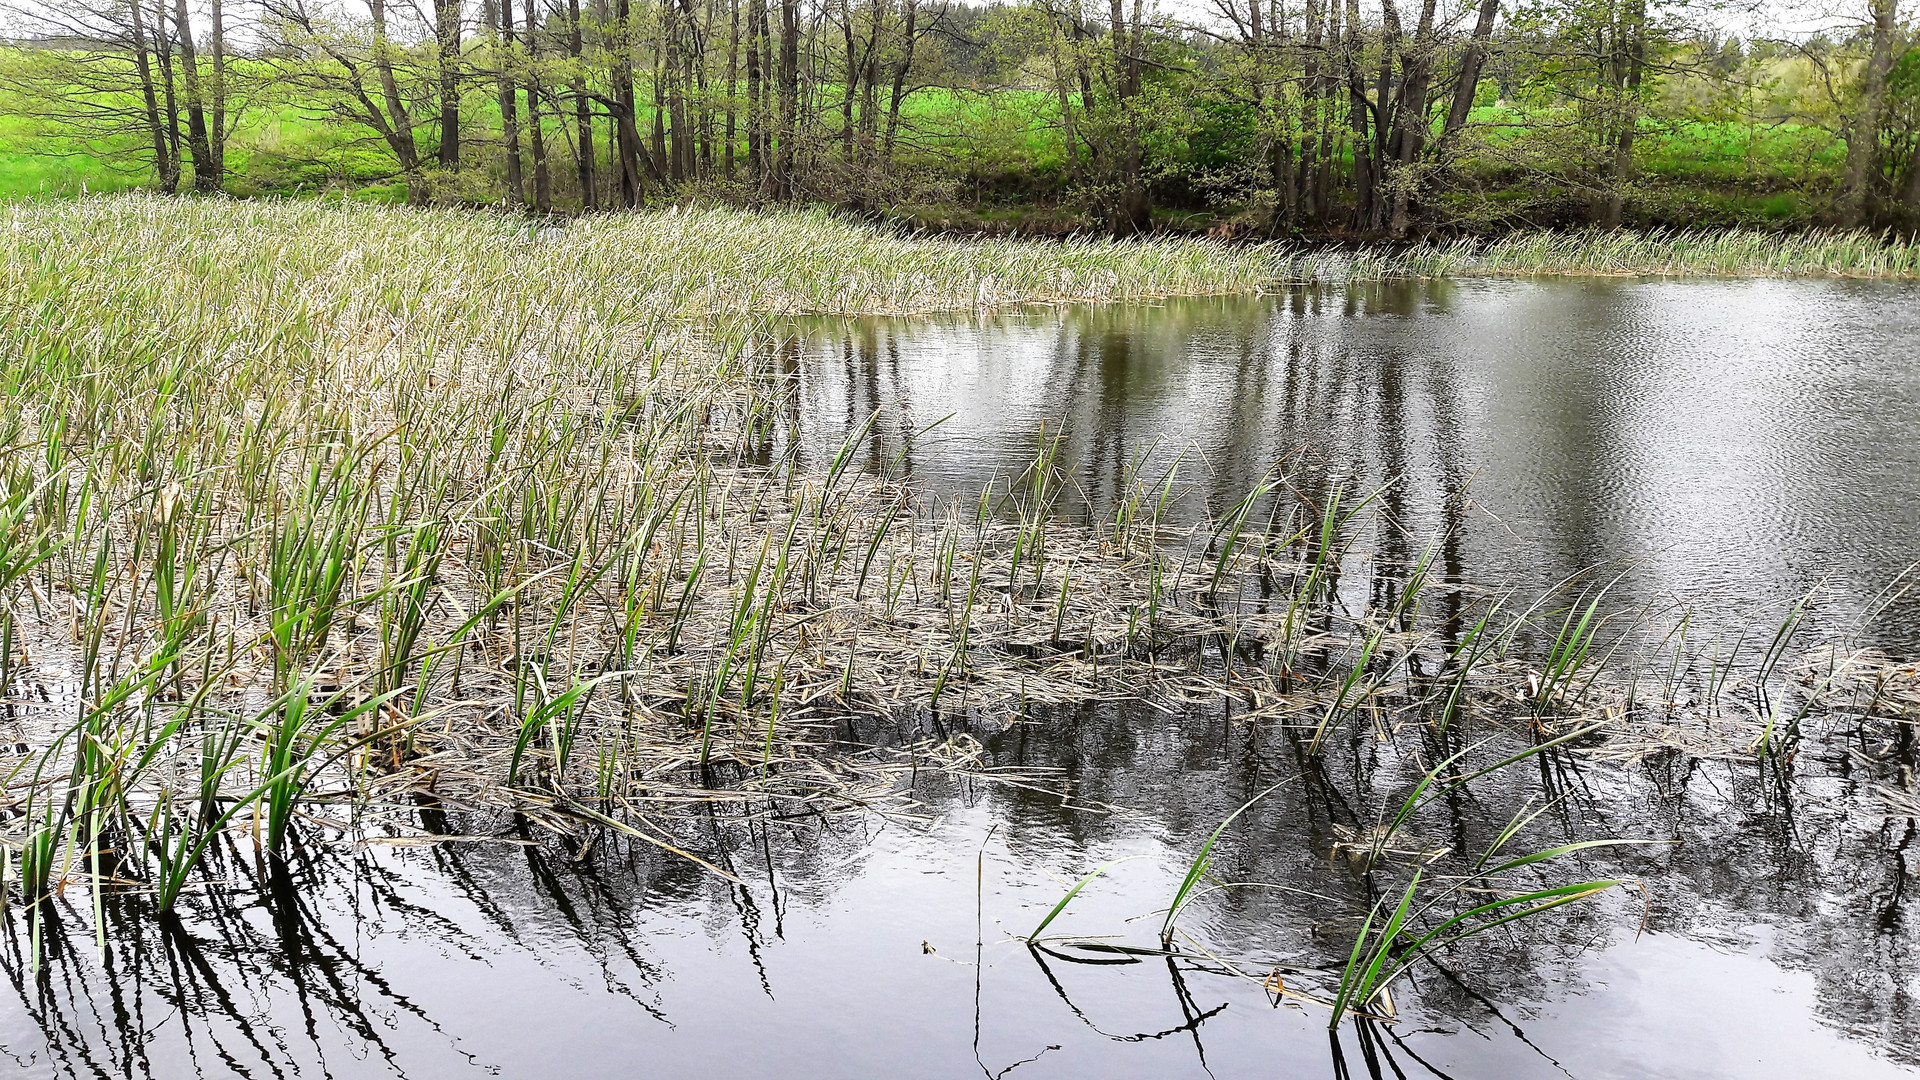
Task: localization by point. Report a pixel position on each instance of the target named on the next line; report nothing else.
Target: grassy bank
(990, 162)
(1661, 253)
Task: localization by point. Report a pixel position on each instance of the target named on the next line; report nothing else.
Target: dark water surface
(1732, 443)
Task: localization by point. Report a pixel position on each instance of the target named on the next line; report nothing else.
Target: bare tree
(353, 73)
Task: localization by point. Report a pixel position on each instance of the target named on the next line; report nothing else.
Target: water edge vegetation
(312, 514)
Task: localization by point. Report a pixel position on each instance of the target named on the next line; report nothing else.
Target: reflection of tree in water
(1585, 416)
(1813, 856)
(1225, 393)
(277, 972)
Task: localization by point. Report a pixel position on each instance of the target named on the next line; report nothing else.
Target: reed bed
(786, 262)
(311, 511)
(310, 505)
(1657, 253)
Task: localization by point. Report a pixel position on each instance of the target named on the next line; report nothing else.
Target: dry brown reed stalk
(1866, 681)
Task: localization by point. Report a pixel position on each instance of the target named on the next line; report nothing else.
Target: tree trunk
(627, 129)
(1133, 209)
(733, 81)
(852, 84)
(536, 135)
(401, 137)
(673, 142)
(1413, 123)
(1086, 81)
(702, 99)
(582, 109)
(1366, 191)
(786, 150)
(1061, 77)
(756, 105)
(1304, 204)
(217, 90)
(1386, 116)
(615, 171)
(1630, 48)
(446, 26)
(1863, 131)
(1326, 90)
(1269, 120)
(908, 39)
(870, 96)
(1467, 85)
(164, 165)
(206, 178)
(163, 45)
(660, 111)
(509, 104)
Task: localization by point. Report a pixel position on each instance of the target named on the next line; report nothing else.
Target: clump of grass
(786, 262)
(1409, 920)
(1429, 914)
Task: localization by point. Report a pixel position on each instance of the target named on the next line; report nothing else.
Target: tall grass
(284, 482)
(1656, 253)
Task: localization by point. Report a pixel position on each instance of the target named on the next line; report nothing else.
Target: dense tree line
(1378, 117)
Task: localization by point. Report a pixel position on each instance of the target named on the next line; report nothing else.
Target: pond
(1719, 446)
(1725, 445)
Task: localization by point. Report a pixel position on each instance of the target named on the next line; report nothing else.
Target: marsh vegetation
(327, 527)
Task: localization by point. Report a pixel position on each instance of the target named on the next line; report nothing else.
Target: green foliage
(1016, 116)
(1397, 933)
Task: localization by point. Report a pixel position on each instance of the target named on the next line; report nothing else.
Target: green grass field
(33, 165)
(993, 160)
(284, 147)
